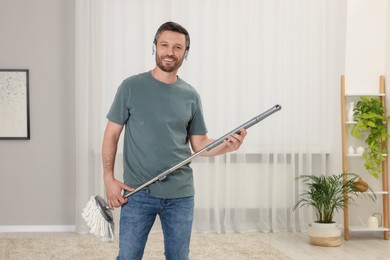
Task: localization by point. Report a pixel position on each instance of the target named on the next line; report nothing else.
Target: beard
(175, 65)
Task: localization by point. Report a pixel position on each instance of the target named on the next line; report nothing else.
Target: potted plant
(368, 114)
(327, 195)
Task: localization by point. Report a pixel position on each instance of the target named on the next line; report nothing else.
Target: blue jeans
(138, 216)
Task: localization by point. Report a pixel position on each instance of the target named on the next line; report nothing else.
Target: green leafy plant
(327, 194)
(368, 114)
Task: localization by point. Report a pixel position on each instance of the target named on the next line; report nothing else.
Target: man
(163, 115)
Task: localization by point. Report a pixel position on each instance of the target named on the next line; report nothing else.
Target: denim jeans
(138, 216)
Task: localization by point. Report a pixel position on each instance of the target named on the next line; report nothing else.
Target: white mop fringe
(100, 227)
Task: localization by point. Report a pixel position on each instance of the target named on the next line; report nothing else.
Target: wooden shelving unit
(346, 158)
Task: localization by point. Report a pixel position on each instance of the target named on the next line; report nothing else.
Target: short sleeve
(197, 125)
(119, 111)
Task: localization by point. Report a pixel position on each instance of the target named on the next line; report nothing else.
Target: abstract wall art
(14, 104)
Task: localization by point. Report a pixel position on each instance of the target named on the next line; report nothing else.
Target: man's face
(170, 49)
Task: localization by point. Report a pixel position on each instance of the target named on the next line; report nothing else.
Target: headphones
(154, 51)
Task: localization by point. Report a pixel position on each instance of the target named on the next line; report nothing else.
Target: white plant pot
(321, 234)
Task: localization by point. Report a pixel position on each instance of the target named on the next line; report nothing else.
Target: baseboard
(36, 229)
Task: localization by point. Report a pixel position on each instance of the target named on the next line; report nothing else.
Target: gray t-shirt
(158, 120)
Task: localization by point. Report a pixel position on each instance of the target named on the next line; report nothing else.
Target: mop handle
(209, 147)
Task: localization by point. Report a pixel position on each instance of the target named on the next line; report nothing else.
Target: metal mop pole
(209, 147)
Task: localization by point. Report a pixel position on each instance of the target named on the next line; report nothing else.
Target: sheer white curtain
(246, 56)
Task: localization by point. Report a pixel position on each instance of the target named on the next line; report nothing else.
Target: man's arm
(232, 143)
(109, 150)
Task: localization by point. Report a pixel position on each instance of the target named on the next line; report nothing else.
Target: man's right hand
(114, 192)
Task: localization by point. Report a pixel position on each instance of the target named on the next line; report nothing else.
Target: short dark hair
(174, 27)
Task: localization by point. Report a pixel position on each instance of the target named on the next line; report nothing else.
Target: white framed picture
(14, 104)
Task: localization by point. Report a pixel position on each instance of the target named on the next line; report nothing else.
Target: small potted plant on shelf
(368, 114)
(327, 195)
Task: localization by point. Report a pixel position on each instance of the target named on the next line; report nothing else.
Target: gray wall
(37, 176)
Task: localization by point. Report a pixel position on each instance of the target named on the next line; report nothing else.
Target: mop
(98, 215)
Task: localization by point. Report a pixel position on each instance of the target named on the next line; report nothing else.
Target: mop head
(95, 220)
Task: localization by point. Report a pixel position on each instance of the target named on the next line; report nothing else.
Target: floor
(362, 245)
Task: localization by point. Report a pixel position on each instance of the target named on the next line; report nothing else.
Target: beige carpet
(72, 246)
